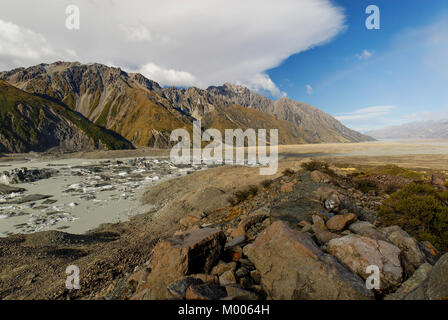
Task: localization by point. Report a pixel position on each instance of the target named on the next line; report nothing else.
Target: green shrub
(288, 172)
(321, 166)
(266, 183)
(253, 190)
(391, 188)
(242, 195)
(232, 201)
(421, 211)
(366, 185)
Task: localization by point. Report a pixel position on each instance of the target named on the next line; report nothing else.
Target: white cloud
(367, 113)
(364, 55)
(309, 89)
(211, 41)
(261, 82)
(169, 77)
(19, 45)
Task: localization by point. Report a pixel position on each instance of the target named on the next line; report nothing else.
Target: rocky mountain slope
(316, 124)
(415, 130)
(145, 114)
(32, 123)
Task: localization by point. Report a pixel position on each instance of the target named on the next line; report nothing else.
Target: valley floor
(32, 266)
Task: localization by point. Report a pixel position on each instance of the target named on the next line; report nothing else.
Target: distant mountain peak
(429, 129)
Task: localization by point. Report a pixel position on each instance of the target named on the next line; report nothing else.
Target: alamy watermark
(373, 281)
(373, 20)
(72, 281)
(73, 17)
(236, 143)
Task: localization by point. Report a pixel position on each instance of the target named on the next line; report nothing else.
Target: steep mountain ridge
(33, 123)
(145, 113)
(320, 126)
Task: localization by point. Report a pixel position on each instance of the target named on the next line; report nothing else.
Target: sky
(315, 51)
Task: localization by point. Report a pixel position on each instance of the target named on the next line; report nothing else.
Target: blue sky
(374, 78)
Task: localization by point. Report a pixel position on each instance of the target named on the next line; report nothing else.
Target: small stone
(242, 272)
(319, 223)
(333, 203)
(233, 254)
(339, 222)
(246, 263)
(226, 278)
(206, 278)
(207, 291)
(178, 288)
(222, 267)
(324, 237)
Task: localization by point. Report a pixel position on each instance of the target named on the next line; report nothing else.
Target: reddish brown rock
(340, 221)
(193, 252)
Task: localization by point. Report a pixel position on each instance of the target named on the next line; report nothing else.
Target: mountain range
(127, 110)
(431, 129)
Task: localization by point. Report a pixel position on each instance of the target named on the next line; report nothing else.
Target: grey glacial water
(80, 194)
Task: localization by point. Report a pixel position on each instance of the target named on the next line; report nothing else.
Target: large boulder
(366, 229)
(358, 253)
(435, 287)
(413, 257)
(293, 267)
(195, 251)
(412, 283)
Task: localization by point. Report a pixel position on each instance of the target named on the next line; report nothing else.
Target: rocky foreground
(254, 251)
(304, 235)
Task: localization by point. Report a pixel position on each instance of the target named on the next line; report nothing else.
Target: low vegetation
(242, 195)
(421, 210)
(321, 166)
(266, 183)
(366, 185)
(389, 170)
(288, 172)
